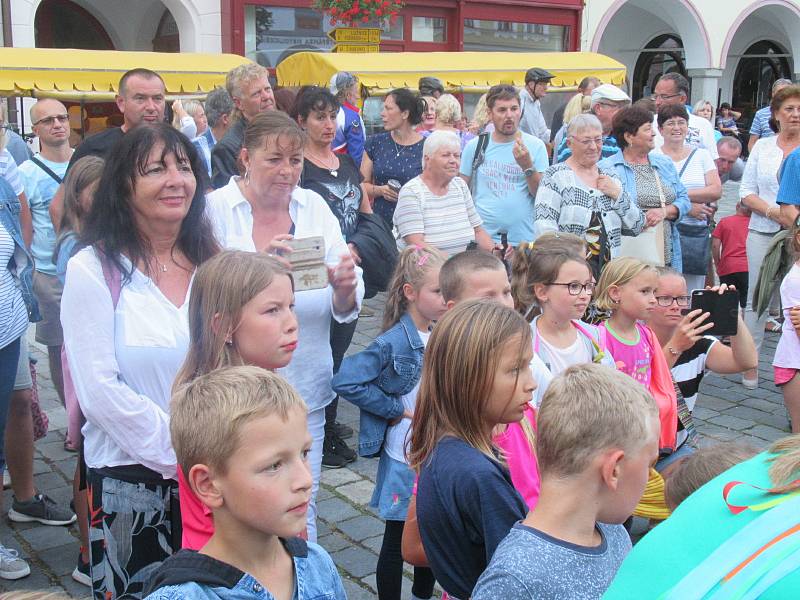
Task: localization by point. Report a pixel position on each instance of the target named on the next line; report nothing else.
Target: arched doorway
(663, 54)
(64, 24)
(167, 38)
(759, 67)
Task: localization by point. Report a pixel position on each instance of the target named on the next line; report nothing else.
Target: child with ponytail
(383, 381)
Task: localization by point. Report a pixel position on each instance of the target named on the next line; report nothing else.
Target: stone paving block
(357, 561)
(43, 537)
(48, 481)
(719, 433)
(52, 436)
(337, 477)
(361, 527)
(767, 433)
(75, 589)
(761, 404)
(360, 492)
(703, 414)
(334, 542)
(39, 467)
(323, 493)
(374, 543)
(334, 510)
(758, 417)
(406, 585)
(322, 528)
(731, 422)
(714, 403)
(55, 451)
(356, 592)
(368, 467)
(35, 581)
(61, 560)
(66, 467)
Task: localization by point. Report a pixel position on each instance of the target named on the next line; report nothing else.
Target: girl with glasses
(551, 280)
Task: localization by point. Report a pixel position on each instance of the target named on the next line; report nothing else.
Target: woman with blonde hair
(578, 105)
(480, 118)
(240, 313)
(448, 114)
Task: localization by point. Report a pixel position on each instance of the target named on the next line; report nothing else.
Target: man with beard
(503, 169)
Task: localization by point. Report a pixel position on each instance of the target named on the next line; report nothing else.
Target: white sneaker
(11, 565)
(6, 480)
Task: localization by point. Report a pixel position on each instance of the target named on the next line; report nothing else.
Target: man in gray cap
(607, 100)
(430, 86)
(532, 121)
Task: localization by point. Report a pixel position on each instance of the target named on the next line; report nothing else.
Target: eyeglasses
(588, 142)
(664, 96)
(574, 288)
(675, 123)
(666, 301)
(48, 121)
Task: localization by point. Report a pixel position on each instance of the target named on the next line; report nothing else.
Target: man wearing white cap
(350, 134)
(607, 100)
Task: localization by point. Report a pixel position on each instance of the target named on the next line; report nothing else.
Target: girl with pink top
(787, 355)
(241, 312)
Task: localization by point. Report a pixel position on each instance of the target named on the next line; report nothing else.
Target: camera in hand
(723, 310)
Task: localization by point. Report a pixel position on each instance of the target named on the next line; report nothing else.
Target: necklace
(161, 266)
(334, 171)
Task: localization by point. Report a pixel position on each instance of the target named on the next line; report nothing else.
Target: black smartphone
(723, 310)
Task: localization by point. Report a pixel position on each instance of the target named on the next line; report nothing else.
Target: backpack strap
(477, 160)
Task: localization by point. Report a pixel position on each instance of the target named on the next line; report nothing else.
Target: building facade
(731, 50)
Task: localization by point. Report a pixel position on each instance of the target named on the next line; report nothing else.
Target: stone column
(705, 85)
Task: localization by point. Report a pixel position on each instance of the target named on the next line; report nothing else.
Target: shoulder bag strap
(686, 164)
(46, 169)
(477, 160)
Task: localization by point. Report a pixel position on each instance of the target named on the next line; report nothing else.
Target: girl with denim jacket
(383, 381)
(17, 308)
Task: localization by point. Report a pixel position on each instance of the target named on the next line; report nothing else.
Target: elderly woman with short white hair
(448, 115)
(580, 197)
(435, 208)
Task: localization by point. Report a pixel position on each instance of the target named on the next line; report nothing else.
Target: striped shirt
(9, 171)
(13, 314)
(760, 125)
(448, 222)
(690, 367)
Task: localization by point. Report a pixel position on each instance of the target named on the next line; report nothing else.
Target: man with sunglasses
(688, 352)
(673, 88)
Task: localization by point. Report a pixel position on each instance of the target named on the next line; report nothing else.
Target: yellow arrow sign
(356, 35)
(357, 48)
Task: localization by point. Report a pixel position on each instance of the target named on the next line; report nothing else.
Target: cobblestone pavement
(349, 529)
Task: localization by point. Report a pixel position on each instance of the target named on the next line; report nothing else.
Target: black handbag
(378, 251)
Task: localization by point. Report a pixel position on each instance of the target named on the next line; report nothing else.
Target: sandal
(773, 325)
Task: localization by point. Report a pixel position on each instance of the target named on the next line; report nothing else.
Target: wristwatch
(529, 172)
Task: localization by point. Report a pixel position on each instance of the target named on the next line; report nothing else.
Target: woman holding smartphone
(688, 351)
(263, 211)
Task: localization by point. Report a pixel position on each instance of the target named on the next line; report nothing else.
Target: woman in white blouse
(758, 191)
(124, 314)
(436, 207)
(698, 174)
(262, 211)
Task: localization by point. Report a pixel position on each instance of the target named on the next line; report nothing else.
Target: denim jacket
(376, 379)
(21, 266)
(189, 574)
(669, 176)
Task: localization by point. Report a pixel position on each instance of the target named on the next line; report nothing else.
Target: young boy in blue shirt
(596, 441)
(241, 438)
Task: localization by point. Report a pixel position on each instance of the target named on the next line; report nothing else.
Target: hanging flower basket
(354, 13)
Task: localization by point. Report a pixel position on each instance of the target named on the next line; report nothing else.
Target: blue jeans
(9, 358)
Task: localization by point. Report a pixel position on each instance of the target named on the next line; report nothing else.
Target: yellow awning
(459, 71)
(93, 75)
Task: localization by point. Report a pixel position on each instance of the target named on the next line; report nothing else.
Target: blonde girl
(241, 312)
(382, 381)
(476, 377)
(553, 282)
(786, 363)
(627, 289)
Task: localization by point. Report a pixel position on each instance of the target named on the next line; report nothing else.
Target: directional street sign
(359, 48)
(355, 35)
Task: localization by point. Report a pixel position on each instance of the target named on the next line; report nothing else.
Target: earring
(247, 176)
(229, 342)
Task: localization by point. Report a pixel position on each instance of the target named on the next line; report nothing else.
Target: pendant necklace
(334, 171)
(161, 266)
(397, 149)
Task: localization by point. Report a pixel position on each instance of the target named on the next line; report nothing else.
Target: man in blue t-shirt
(506, 174)
(41, 176)
(789, 191)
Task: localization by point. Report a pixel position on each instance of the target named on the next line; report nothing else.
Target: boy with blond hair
(597, 438)
(241, 438)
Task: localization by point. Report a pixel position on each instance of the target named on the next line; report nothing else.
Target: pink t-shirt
(196, 518)
(632, 357)
(521, 459)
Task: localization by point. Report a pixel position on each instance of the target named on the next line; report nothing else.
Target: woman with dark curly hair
(124, 313)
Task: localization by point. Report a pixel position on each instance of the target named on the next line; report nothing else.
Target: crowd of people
(198, 284)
